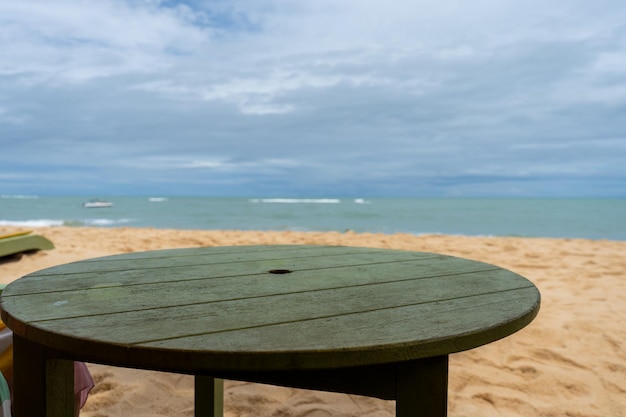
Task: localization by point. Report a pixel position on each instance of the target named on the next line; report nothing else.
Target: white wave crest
(296, 200)
(106, 222)
(32, 223)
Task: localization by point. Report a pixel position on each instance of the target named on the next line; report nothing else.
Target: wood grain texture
(221, 309)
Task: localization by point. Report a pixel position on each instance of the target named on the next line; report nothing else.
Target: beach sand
(570, 362)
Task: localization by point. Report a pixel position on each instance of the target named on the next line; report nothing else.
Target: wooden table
(365, 321)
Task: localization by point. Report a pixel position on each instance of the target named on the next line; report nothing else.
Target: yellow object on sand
(6, 348)
(24, 232)
(6, 352)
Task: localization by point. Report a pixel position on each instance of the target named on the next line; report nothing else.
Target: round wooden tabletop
(267, 308)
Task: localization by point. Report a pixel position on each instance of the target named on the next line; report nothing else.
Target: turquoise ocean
(560, 218)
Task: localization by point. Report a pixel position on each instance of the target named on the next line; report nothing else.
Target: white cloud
(76, 41)
(217, 164)
(263, 107)
(321, 91)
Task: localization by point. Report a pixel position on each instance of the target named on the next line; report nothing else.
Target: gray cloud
(242, 97)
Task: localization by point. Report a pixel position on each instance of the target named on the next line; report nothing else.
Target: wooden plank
(60, 400)
(373, 380)
(243, 312)
(413, 331)
(42, 385)
(191, 291)
(416, 380)
(255, 261)
(208, 396)
(142, 274)
(422, 388)
(29, 380)
(210, 256)
(409, 332)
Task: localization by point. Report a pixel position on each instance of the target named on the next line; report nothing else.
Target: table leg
(209, 396)
(422, 388)
(60, 400)
(42, 386)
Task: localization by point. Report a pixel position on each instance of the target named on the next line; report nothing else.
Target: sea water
(563, 218)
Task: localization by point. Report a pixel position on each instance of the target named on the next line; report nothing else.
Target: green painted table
(365, 321)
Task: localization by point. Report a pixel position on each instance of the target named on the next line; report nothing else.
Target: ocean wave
(70, 223)
(106, 222)
(296, 200)
(33, 223)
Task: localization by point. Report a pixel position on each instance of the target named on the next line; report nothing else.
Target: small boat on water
(96, 203)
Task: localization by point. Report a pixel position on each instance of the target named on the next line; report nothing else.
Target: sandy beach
(570, 362)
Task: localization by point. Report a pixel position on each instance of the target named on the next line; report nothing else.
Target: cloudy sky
(339, 98)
